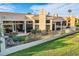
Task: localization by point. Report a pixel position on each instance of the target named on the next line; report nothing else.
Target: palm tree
(69, 11)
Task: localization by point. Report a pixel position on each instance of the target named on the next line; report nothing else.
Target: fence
(10, 50)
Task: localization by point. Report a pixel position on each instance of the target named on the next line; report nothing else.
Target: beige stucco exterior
(72, 21)
(42, 20)
(54, 23)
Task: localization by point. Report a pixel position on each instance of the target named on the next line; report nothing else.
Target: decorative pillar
(51, 25)
(42, 19)
(25, 27)
(33, 24)
(13, 27)
(61, 26)
(55, 26)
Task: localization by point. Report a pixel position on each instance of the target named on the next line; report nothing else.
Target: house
(19, 22)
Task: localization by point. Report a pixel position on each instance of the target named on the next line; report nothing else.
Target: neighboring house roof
(58, 19)
(11, 13)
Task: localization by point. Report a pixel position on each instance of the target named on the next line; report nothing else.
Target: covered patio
(17, 26)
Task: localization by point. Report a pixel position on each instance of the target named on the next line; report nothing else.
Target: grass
(67, 46)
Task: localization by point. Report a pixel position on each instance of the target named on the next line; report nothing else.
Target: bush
(21, 38)
(63, 31)
(13, 37)
(33, 37)
(77, 24)
(35, 31)
(44, 32)
(0, 42)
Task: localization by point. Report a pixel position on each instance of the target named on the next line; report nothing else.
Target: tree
(69, 11)
(48, 14)
(29, 13)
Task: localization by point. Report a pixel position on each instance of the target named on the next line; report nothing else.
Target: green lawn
(67, 46)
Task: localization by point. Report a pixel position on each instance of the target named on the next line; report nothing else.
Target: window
(58, 28)
(28, 22)
(47, 27)
(36, 21)
(18, 21)
(7, 21)
(58, 23)
(68, 24)
(36, 26)
(75, 20)
(64, 23)
(47, 21)
(68, 20)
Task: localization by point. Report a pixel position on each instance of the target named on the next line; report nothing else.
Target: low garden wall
(31, 44)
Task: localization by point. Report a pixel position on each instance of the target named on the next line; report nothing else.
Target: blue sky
(52, 8)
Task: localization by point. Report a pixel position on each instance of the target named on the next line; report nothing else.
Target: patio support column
(25, 27)
(55, 26)
(33, 24)
(61, 25)
(13, 27)
(51, 25)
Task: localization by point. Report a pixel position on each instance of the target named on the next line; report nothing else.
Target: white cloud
(52, 8)
(6, 8)
(59, 8)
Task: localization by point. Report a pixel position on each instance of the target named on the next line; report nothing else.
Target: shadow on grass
(55, 44)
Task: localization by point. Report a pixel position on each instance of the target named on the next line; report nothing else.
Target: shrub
(0, 41)
(63, 31)
(13, 37)
(21, 38)
(44, 32)
(35, 31)
(77, 24)
(33, 37)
